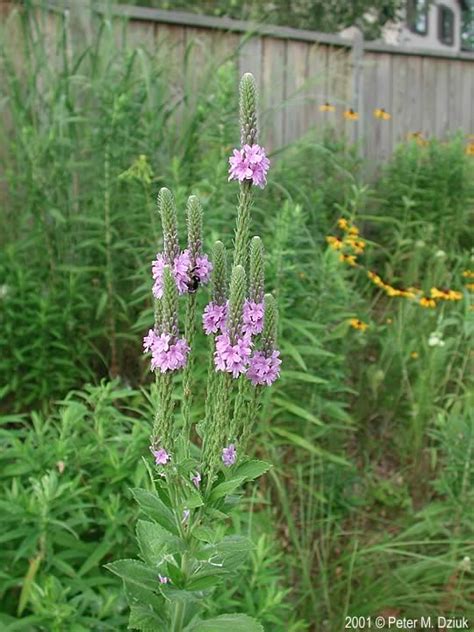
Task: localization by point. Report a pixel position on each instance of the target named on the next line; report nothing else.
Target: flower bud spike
(270, 324)
(170, 303)
(236, 301)
(194, 223)
(219, 274)
(169, 223)
(248, 109)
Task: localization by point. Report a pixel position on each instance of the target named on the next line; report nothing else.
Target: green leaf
(252, 469)
(296, 410)
(306, 445)
(135, 572)
(155, 508)
(94, 558)
(144, 618)
(227, 487)
(227, 623)
(154, 542)
(204, 581)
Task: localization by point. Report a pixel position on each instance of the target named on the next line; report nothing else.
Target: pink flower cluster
(214, 317)
(166, 354)
(183, 272)
(232, 358)
(264, 369)
(249, 163)
(253, 317)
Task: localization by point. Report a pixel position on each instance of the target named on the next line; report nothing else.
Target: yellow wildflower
(343, 223)
(427, 302)
(349, 259)
(470, 149)
(445, 295)
(357, 245)
(380, 113)
(468, 274)
(470, 287)
(355, 323)
(350, 115)
(414, 355)
(327, 107)
(334, 242)
(353, 230)
(389, 321)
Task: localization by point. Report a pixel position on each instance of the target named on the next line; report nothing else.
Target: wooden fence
(299, 71)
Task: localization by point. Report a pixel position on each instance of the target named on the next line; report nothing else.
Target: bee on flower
(355, 323)
(327, 107)
(382, 114)
(351, 115)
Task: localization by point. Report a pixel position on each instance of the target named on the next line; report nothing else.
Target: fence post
(357, 83)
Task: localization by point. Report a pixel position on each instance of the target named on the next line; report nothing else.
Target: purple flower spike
(249, 163)
(183, 271)
(253, 317)
(232, 358)
(203, 268)
(213, 318)
(161, 456)
(263, 369)
(167, 356)
(229, 455)
(196, 479)
(163, 579)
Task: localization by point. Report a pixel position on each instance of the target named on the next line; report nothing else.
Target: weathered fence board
(297, 72)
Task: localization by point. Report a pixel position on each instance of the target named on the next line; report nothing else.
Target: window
(445, 25)
(417, 15)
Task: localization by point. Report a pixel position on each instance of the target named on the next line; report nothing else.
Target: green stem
(190, 334)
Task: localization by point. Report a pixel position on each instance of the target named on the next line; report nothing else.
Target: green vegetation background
(369, 507)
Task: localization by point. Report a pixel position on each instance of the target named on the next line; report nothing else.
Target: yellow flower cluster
(470, 148)
(445, 295)
(391, 291)
(350, 244)
(355, 323)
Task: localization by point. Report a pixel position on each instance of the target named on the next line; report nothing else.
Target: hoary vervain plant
(200, 468)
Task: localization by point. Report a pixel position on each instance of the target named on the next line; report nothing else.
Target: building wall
(399, 33)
